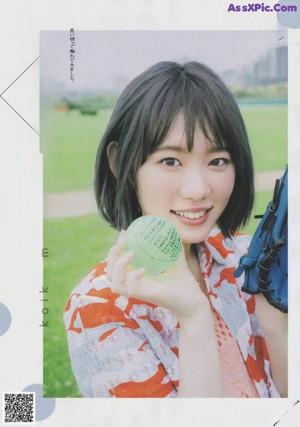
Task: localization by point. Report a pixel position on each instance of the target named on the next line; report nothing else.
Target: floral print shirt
(125, 347)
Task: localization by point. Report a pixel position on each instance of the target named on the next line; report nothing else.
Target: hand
(176, 289)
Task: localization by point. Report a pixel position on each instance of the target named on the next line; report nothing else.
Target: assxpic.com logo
(261, 7)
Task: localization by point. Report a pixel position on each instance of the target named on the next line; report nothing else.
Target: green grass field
(76, 244)
(70, 141)
(69, 144)
(267, 130)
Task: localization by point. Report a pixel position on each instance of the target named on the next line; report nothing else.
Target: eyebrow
(179, 149)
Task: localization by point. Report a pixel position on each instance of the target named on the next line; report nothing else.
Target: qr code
(19, 408)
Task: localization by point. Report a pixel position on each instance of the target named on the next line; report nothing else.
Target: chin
(194, 237)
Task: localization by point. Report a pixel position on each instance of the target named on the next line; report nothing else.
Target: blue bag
(265, 265)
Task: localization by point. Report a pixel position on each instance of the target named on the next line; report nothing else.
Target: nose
(195, 184)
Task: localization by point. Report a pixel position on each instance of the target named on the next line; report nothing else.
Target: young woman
(176, 146)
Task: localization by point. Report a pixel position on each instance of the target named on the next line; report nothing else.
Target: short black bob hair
(140, 122)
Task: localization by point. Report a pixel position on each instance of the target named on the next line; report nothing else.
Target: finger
(134, 284)
(139, 273)
(122, 234)
(142, 287)
(119, 273)
(114, 254)
(124, 260)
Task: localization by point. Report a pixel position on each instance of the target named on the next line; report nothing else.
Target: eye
(170, 161)
(220, 161)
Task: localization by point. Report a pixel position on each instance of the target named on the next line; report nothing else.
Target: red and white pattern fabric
(125, 347)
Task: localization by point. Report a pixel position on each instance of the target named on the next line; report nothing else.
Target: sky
(108, 60)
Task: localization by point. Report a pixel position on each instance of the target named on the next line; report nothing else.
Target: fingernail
(140, 272)
(128, 257)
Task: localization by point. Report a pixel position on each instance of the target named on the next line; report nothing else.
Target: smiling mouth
(191, 215)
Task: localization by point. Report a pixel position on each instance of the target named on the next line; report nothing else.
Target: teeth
(191, 215)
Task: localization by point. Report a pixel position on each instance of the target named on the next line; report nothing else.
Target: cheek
(154, 191)
(151, 181)
(226, 186)
(146, 186)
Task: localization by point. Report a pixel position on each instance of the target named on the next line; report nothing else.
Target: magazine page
(108, 111)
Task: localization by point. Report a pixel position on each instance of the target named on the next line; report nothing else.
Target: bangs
(163, 105)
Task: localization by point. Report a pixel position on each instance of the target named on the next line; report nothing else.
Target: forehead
(177, 135)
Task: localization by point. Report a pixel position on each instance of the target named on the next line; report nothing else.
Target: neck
(189, 252)
(194, 265)
(191, 258)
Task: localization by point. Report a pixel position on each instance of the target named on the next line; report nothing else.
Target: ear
(111, 152)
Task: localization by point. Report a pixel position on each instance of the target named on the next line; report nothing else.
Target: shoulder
(91, 287)
(93, 295)
(95, 304)
(95, 279)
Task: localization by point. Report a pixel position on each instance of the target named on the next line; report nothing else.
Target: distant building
(239, 78)
(273, 68)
